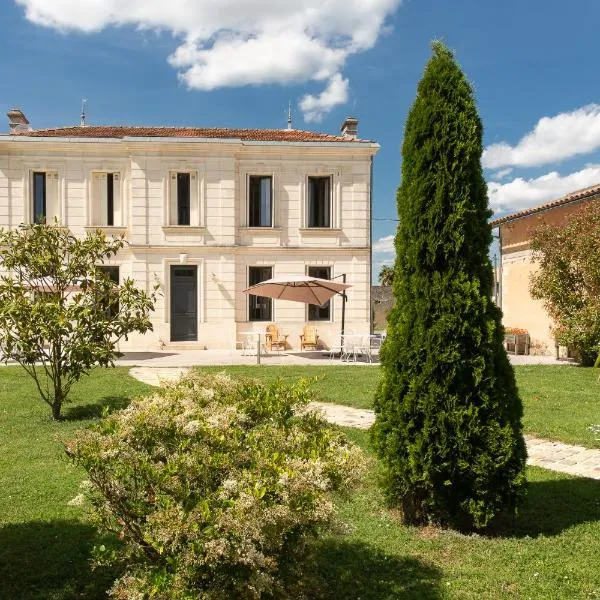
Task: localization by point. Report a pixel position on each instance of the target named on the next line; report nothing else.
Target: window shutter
(95, 211)
(52, 200)
(173, 198)
(194, 214)
(101, 200)
(117, 208)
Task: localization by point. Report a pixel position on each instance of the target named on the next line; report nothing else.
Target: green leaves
(568, 278)
(448, 389)
(54, 319)
(214, 485)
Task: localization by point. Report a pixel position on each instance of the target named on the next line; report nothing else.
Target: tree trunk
(58, 399)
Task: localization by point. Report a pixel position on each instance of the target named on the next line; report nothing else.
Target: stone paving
(556, 456)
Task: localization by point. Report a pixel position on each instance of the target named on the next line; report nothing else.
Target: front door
(184, 303)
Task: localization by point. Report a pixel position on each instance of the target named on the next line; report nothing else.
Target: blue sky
(236, 63)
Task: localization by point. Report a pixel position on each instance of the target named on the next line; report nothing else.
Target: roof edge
(575, 196)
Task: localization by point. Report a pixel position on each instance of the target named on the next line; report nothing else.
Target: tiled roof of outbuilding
(111, 131)
(572, 197)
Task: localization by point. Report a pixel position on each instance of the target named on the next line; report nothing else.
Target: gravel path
(556, 456)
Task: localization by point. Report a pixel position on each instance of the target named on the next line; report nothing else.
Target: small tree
(59, 314)
(386, 275)
(568, 279)
(448, 425)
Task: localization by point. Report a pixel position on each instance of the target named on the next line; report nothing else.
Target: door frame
(172, 270)
(183, 261)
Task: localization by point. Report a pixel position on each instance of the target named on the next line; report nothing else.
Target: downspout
(370, 280)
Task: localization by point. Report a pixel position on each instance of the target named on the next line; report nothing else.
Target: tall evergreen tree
(448, 426)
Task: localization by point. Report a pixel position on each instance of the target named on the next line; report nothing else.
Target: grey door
(184, 303)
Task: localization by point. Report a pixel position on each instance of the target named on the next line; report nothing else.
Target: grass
(560, 403)
(551, 551)
(44, 544)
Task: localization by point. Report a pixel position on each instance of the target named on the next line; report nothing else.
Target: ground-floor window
(259, 307)
(316, 312)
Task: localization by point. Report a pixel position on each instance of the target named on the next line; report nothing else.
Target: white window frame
(330, 266)
(51, 168)
(248, 267)
(247, 196)
(197, 184)
(335, 198)
(91, 200)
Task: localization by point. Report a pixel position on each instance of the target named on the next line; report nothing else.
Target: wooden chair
(274, 338)
(309, 338)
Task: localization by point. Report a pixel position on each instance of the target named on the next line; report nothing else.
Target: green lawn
(551, 551)
(560, 402)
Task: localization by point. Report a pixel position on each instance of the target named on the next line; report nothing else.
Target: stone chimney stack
(350, 128)
(17, 121)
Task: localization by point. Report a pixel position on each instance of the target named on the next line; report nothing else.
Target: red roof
(110, 131)
(572, 197)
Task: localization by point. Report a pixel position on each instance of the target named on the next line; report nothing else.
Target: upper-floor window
(183, 190)
(319, 202)
(260, 308)
(260, 201)
(315, 311)
(106, 199)
(44, 196)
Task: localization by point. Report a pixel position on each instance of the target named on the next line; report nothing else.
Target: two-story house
(206, 213)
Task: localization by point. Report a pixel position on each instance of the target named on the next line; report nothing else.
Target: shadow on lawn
(82, 412)
(340, 569)
(554, 505)
(41, 560)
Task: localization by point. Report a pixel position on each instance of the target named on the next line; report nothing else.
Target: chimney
(350, 128)
(17, 121)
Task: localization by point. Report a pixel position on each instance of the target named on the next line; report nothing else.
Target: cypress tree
(448, 427)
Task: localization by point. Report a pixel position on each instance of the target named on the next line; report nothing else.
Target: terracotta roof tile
(572, 197)
(109, 131)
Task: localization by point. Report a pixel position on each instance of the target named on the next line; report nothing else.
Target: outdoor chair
(309, 338)
(274, 338)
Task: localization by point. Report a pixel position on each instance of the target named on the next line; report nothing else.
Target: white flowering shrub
(214, 485)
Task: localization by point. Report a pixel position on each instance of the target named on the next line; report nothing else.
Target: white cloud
(502, 174)
(236, 42)
(315, 107)
(525, 193)
(384, 245)
(553, 138)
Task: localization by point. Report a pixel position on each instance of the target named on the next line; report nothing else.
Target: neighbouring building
(206, 213)
(516, 266)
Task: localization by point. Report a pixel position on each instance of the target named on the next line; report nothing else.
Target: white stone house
(206, 212)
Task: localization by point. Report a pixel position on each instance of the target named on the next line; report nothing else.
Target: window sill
(320, 230)
(183, 229)
(260, 229)
(115, 229)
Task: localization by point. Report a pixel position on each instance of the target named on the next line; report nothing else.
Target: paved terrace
(556, 456)
(191, 358)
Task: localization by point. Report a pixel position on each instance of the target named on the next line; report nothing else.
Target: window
(316, 312)
(183, 195)
(45, 205)
(260, 308)
(111, 304)
(39, 197)
(319, 202)
(106, 200)
(260, 201)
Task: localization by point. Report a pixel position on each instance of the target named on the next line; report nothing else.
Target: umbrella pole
(343, 315)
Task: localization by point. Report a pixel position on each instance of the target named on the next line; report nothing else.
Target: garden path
(556, 456)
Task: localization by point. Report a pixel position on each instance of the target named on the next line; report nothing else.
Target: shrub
(568, 279)
(214, 486)
(448, 425)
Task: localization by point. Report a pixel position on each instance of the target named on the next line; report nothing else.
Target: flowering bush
(214, 485)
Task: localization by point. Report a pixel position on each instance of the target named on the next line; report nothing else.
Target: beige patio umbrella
(298, 288)
(302, 288)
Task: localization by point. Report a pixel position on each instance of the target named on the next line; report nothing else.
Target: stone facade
(219, 245)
